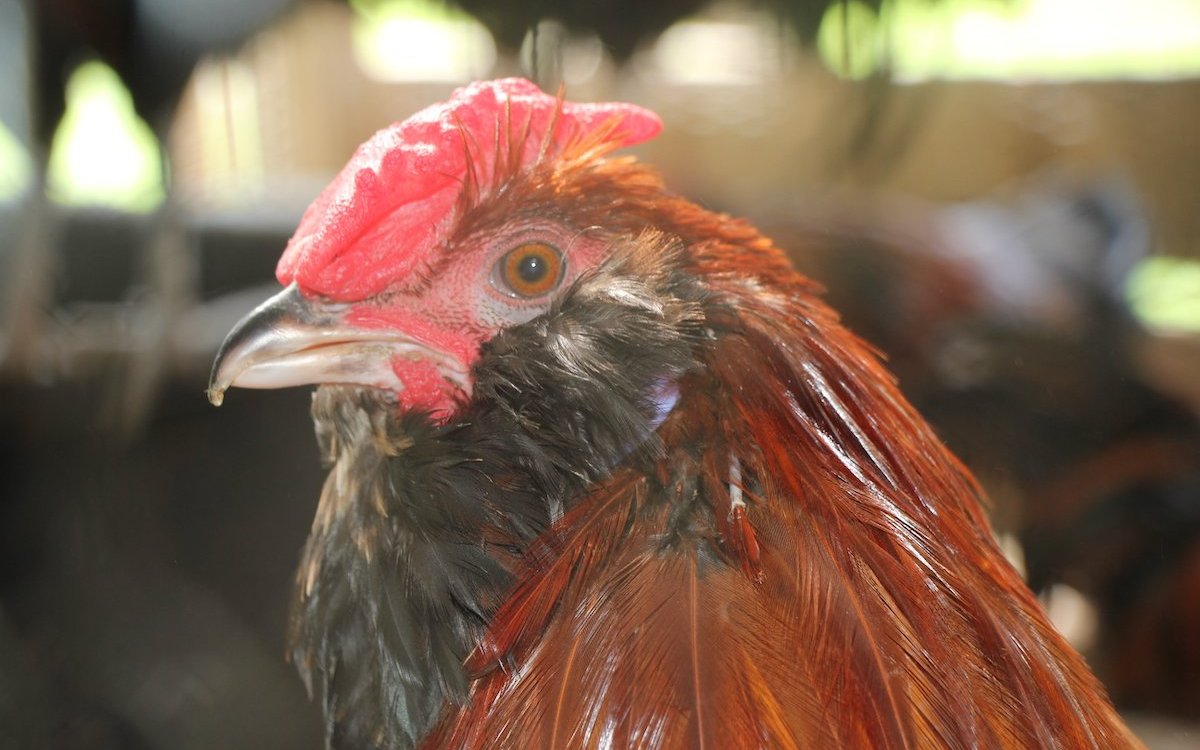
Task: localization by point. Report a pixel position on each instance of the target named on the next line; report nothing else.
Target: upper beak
(292, 340)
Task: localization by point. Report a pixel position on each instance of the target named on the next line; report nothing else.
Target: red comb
(391, 205)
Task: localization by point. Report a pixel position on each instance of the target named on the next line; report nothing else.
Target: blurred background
(1002, 195)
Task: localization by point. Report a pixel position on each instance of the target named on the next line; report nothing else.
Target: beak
(291, 340)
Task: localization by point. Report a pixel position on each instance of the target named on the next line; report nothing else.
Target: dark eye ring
(529, 270)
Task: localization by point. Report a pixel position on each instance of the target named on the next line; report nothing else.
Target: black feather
(420, 523)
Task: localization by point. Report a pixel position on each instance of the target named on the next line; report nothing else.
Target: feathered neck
(790, 467)
(793, 462)
(420, 524)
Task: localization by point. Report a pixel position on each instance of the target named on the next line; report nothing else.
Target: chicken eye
(529, 270)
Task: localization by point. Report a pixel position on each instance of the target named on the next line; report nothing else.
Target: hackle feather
(788, 559)
(803, 564)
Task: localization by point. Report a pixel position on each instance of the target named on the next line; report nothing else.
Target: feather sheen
(875, 612)
(784, 557)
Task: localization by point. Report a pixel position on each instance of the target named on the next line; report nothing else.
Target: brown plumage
(689, 509)
(856, 599)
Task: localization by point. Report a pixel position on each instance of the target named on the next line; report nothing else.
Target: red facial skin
(466, 304)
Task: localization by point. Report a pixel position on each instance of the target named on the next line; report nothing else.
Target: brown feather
(850, 596)
(682, 507)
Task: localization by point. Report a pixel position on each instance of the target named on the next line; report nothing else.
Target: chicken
(605, 472)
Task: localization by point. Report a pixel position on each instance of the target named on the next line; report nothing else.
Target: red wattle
(424, 387)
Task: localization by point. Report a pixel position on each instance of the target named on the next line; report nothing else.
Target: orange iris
(532, 269)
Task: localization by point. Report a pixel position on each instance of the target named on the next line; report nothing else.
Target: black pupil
(532, 268)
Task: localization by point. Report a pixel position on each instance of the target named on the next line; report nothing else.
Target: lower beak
(291, 340)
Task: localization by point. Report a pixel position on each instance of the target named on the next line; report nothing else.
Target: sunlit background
(1003, 196)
